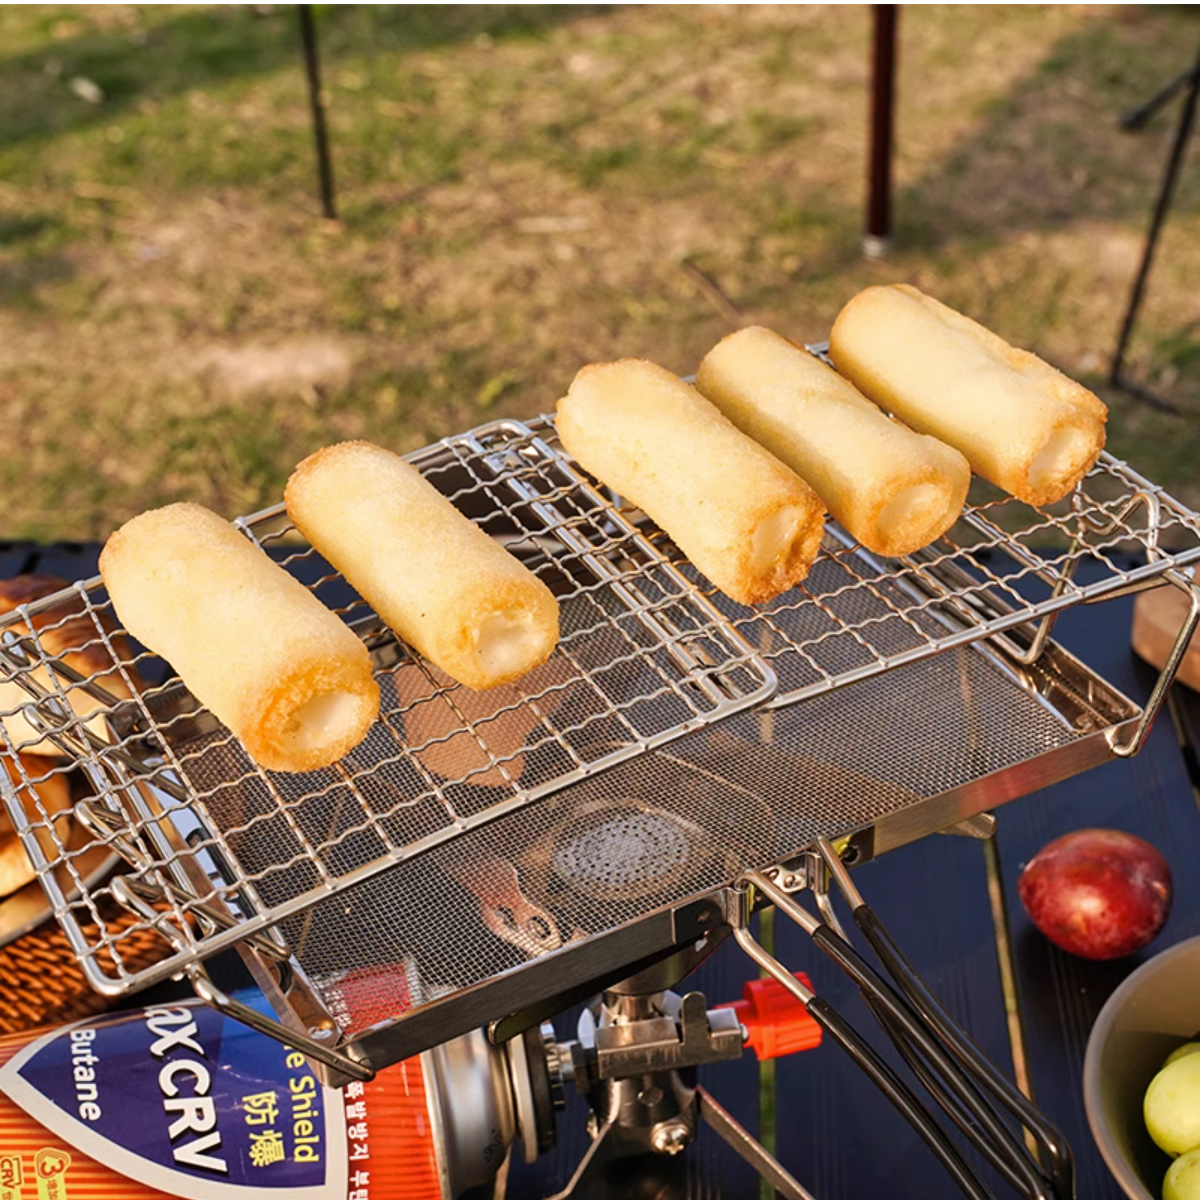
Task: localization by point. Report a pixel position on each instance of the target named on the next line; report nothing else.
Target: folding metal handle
(137, 897)
(892, 1086)
(957, 1076)
(1166, 676)
(1054, 1148)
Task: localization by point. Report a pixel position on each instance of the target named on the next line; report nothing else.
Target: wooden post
(878, 235)
(308, 38)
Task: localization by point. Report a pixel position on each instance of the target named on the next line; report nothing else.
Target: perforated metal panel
(678, 823)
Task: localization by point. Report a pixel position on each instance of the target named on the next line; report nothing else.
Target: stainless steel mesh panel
(642, 659)
(1002, 571)
(665, 828)
(888, 697)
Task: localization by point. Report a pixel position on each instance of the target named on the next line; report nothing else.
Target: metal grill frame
(989, 604)
(951, 584)
(946, 597)
(209, 901)
(754, 780)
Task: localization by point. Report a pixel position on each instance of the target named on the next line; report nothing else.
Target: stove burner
(626, 851)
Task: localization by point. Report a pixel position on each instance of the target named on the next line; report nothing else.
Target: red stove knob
(775, 1021)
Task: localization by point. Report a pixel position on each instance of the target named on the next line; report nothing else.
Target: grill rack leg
(721, 1122)
(748, 1147)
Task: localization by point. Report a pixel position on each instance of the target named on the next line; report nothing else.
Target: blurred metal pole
(308, 37)
(1132, 121)
(878, 236)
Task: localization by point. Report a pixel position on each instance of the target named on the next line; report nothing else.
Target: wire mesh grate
(1004, 571)
(673, 740)
(668, 828)
(227, 848)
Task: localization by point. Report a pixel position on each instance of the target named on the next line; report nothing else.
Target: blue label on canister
(186, 1100)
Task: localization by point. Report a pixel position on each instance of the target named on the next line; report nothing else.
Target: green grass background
(523, 190)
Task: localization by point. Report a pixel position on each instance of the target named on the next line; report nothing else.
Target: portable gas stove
(486, 860)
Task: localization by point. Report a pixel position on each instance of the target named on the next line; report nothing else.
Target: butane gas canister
(180, 1100)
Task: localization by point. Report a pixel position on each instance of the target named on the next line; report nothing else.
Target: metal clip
(791, 876)
(808, 870)
(137, 895)
(979, 825)
(1125, 749)
(311, 1044)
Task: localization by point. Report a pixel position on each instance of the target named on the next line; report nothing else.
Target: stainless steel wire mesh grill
(673, 741)
(229, 848)
(1002, 566)
(904, 685)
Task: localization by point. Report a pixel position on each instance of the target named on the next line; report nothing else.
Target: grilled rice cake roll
(439, 581)
(49, 813)
(893, 489)
(1021, 424)
(253, 644)
(743, 518)
(68, 634)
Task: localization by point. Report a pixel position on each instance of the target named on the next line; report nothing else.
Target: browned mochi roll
(893, 489)
(66, 634)
(437, 579)
(253, 644)
(745, 520)
(1021, 424)
(47, 806)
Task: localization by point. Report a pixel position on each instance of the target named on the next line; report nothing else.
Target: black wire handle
(946, 1081)
(921, 1047)
(892, 1086)
(1055, 1150)
(936, 1087)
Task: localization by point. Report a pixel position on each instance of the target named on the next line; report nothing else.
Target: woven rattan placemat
(41, 983)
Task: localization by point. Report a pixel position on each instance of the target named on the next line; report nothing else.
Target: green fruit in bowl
(1186, 1048)
(1183, 1179)
(1172, 1106)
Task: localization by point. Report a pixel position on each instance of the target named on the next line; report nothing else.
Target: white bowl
(1154, 1011)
